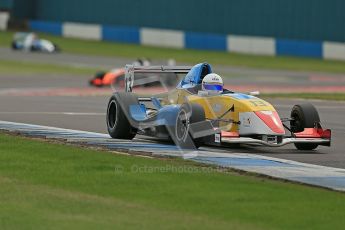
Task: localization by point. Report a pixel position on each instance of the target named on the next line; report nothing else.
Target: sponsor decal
(258, 103)
(217, 138)
(246, 122)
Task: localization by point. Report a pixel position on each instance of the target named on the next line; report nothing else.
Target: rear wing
(131, 70)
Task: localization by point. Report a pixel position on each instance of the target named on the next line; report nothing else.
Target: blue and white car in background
(31, 42)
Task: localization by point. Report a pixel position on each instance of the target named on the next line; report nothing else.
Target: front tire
(57, 48)
(304, 116)
(118, 123)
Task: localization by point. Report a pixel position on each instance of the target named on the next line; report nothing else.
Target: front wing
(310, 135)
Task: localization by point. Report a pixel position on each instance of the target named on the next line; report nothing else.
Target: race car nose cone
(272, 120)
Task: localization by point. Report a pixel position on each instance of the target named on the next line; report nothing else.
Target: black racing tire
(304, 116)
(180, 131)
(14, 46)
(57, 48)
(118, 125)
(306, 146)
(33, 49)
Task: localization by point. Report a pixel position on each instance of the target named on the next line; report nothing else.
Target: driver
(212, 84)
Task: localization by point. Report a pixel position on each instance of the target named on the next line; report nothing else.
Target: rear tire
(14, 46)
(117, 116)
(304, 116)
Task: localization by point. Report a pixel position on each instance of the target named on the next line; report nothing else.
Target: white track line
(328, 177)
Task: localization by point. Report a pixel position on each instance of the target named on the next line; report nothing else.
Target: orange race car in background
(115, 78)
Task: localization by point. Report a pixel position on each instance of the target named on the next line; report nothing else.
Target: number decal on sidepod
(258, 103)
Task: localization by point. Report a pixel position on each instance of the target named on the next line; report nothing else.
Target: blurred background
(311, 28)
(284, 49)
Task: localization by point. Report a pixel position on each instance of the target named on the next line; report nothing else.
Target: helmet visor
(213, 87)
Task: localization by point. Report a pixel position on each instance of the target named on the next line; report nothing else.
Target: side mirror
(254, 93)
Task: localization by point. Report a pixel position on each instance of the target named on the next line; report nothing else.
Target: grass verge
(17, 67)
(187, 55)
(53, 186)
(319, 96)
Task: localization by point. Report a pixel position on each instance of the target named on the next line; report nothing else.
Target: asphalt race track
(40, 100)
(241, 79)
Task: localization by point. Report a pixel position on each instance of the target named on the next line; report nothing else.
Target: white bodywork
(252, 124)
(47, 45)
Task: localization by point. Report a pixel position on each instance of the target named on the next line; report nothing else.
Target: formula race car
(31, 42)
(191, 118)
(115, 78)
